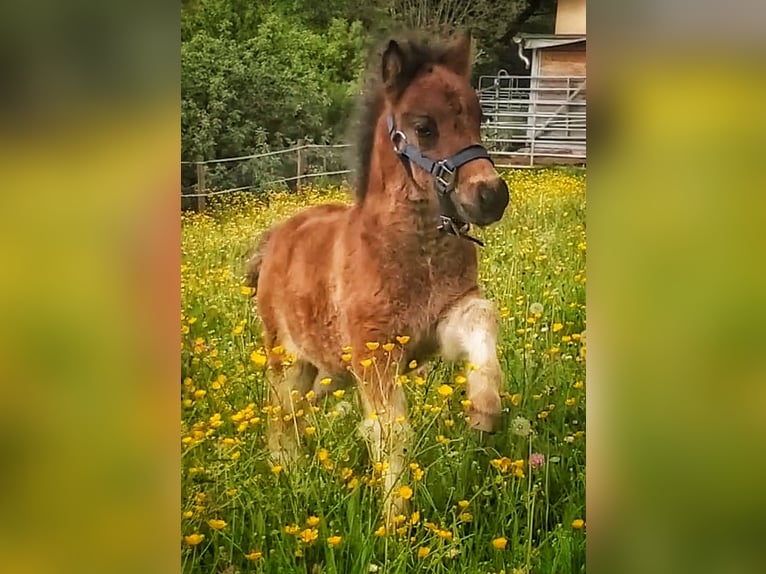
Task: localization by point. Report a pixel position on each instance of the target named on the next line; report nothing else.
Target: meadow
(510, 502)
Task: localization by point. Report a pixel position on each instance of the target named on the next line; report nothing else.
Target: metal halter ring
(399, 140)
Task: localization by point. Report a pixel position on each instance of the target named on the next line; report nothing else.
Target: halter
(443, 172)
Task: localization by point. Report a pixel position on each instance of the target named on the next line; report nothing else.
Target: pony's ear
(392, 65)
(459, 56)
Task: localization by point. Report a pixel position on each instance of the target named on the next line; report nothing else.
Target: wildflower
(521, 426)
(310, 431)
(372, 345)
(578, 523)
(449, 423)
(535, 308)
(500, 543)
(323, 454)
(412, 364)
(278, 350)
(352, 484)
(309, 535)
(571, 401)
(346, 357)
(466, 517)
(463, 503)
(556, 327)
(536, 460)
(326, 381)
(543, 414)
(194, 539)
(199, 393)
(579, 385)
(231, 492)
(466, 403)
(258, 358)
(442, 439)
(388, 347)
(420, 381)
(381, 531)
(276, 469)
(403, 340)
(235, 455)
(405, 492)
(312, 521)
(216, 524)
(516, 399)
(254, 555)
(460, 380)
(445, 391)
(188, 514)
(444, 534)
(502, 464)
(292, 529)
(365, 362)
(334, 541)
(339, 393)
(415, 518)
(423, 551)
(245, 290)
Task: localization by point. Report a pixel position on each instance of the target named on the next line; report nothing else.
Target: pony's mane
(419, 54)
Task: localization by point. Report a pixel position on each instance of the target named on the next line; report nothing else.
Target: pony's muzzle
(491, 200)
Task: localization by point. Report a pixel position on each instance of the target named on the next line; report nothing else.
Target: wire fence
(307, 161)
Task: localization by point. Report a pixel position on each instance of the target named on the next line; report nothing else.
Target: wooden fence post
(201, 188)
(299, 161)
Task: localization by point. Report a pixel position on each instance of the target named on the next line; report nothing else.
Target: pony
(362, 293)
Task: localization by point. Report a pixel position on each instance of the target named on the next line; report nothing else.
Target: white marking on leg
(469, 332)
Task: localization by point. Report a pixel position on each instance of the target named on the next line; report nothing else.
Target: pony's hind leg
(469, 332)
(387, 432)
(288, 406)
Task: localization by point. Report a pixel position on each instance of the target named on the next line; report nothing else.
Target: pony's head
(434, 117)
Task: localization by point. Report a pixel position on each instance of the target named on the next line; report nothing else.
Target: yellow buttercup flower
(423, 551)
(339, 393)
(388, 347)
(500, 543)
(194, 539)
(445, 390)
(516, 399)
(556, 327)
(405, 492)
(372, 345)
(312, 521)
(571, 401)
(403, 340)
(412, 364)
(460, 380)
(216, 524)
(254, 555)
(346, 357)
(365, 362)
(578, 523)
(463, 503)
(334, 540)
(276, 469)
(381, 531)
(310, 431)
(415, 518)
(258, 358)
(278, 350)
(309, 535)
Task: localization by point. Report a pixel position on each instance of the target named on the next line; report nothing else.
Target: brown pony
(356, 293)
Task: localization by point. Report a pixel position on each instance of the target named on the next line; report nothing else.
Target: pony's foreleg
(387, 431)
(288, 406)
(469, 332)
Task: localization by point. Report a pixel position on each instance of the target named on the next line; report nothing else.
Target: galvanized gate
(534, 120)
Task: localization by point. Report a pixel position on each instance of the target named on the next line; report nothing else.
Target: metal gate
(534, 120)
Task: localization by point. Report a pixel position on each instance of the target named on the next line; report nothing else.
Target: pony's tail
(255, 259)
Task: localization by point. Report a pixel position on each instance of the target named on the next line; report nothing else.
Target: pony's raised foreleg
(469, 332)
(288, 388)
(387, 431)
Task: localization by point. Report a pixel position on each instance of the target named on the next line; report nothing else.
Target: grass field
(512, 502)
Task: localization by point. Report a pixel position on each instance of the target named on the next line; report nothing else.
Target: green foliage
(257, 76)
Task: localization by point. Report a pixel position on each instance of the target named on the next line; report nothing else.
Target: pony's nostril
(494, 197)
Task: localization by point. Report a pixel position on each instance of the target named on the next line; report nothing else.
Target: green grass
(536, 255)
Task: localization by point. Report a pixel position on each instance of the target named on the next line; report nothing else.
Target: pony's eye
(423, 131)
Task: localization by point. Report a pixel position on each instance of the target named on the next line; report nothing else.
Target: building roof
(532, 41)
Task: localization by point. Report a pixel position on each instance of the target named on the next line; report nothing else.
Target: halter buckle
(444, 183)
